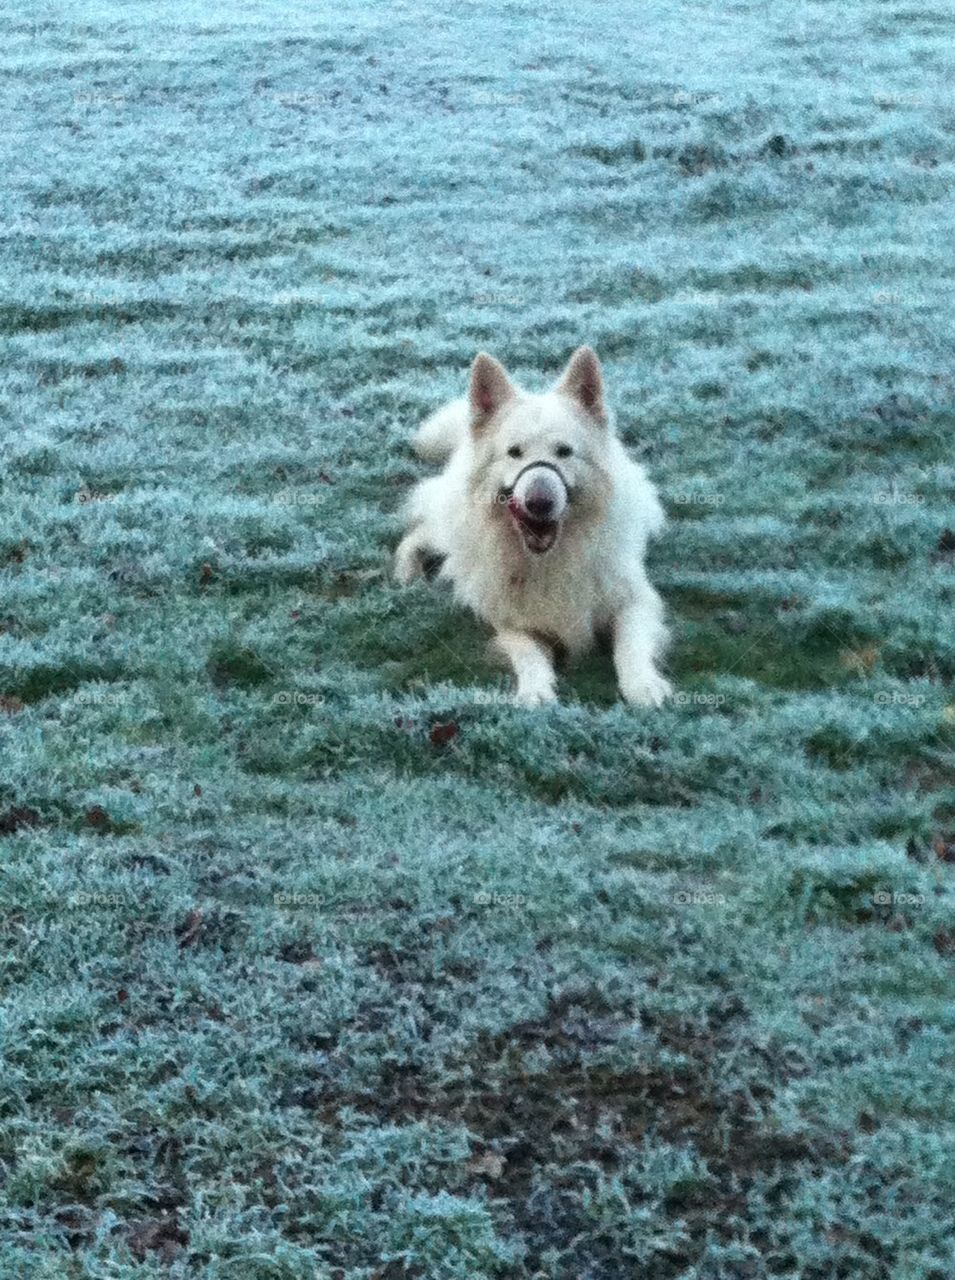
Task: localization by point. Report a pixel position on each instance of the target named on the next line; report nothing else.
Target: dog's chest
(558, 596)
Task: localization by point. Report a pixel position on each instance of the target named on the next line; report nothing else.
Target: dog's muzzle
(537, 502)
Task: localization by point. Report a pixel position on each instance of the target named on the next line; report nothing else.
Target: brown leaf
(861, 661)
(97, 816)
(163, 1235)
(488, 1165)
(188, 932)
(10, 704)
(944, 941)
(442, 734)
(944, 848)
(17, 817)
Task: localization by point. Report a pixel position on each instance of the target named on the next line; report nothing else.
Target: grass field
(320, 960)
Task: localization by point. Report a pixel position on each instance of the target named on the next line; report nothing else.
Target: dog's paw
(649, 689)
(535, 695)
(408, 564)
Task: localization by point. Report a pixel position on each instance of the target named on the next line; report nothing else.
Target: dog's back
(441, 433)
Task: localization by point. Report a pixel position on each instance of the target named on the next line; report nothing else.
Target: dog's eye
(515, 451)
(563, 451)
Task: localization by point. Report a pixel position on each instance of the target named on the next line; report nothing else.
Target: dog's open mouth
(538, 535)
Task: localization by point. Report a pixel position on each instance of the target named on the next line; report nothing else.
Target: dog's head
(540, 461)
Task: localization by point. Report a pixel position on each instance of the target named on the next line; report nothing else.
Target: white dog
(542, 520)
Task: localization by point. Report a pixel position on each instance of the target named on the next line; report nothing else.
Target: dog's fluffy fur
(542, 520)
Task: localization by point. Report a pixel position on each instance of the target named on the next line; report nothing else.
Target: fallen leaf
(17, 817)
(860, 660)
(188, 932)
(944, 942)
(442, 734)
(944, 848)
(161, 1235)
(488, 1165)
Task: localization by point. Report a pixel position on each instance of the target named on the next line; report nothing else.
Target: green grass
(319, 958)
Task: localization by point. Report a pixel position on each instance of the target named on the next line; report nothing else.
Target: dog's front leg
(409, 557)
(532, 667)
(639, 635)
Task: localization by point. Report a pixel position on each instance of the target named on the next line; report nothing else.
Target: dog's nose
(539, 504)
(541, 493)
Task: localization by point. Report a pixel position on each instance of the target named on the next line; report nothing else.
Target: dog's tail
(441, 433)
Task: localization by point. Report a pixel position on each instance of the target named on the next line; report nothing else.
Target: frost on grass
(321, 959)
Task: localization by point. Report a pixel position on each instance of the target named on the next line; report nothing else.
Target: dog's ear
(583, 382)
(490, 389)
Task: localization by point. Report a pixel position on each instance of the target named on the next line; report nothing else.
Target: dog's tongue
(538, 535)
(517, 511)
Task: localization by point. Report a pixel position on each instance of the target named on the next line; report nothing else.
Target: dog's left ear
(490, 390)
(582, 380)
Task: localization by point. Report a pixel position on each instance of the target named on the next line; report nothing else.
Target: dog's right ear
(582, 380)
(490, 389)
